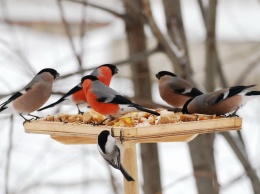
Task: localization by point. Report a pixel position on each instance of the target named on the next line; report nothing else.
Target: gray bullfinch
(220, 102)
(175, 90)
(33, 95)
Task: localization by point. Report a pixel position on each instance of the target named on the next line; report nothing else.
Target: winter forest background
(212, 43)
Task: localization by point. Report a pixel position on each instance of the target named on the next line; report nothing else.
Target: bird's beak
(57, 75)
(116, 71)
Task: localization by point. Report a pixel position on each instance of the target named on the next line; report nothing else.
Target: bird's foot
(28, 120)
(35, 117)
(232, 115)
(175, 109)
(100, 123)
(80, 113)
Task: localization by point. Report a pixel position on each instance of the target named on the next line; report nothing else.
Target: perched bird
(33, 95)
(76, 95)
(175, 90)
(220, 102)
(113, 152)
(107, 101)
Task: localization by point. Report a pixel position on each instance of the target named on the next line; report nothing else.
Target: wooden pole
(130, 164)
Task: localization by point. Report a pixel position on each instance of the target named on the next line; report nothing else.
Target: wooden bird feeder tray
(71, 133)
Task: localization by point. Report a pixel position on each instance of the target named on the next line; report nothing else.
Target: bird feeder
(72, 133)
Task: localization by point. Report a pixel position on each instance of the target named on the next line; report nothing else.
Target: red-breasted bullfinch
(220, 102)
(175, 90)
(33, 95)
(112, 151)
(76, 95)
(107, 101)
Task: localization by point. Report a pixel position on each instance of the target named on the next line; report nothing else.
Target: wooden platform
(87, 134)
(129, 136)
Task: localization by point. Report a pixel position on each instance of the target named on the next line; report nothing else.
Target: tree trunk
(140, 72)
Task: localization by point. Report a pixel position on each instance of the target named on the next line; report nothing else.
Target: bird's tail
(146, 110)
(253, 93)
(127, 176)
(52, 105)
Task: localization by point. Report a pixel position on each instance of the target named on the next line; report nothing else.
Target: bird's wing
(12, 98)
(108, 95)
(183, 87)
(220, 95)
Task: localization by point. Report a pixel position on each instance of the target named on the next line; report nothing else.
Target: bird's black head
(51, 71)
(163, 73)
(113, 68)
(102, 140)
(90, 77)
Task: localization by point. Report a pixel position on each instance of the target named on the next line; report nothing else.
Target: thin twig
(178, 181)
(68, 33)
(249, 68)
(112, 179)
(161, 38)
(26, 64)
(82, 33)
(8, 155)
(247, 166)
(112, 12)
(218, 63)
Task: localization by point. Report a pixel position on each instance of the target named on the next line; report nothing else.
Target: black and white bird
(175, 90)
(112, 151)
(220, 102)
(33, 95)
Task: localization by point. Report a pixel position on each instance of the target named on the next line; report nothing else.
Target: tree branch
(112, 12)
(249, 68)
(161, 38)
(68, 33)
(247, 166)
(8, 155)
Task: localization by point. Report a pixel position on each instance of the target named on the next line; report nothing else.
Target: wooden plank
(80, 133)
(130, 164)
(167, 132)
(74, 140)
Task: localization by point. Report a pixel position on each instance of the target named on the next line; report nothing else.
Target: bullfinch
(107, 101)
(112, 151)
(76, 95)
(175, 90)
(220, 102)
(33, 95)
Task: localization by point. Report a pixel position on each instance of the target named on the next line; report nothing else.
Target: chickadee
(112, 152)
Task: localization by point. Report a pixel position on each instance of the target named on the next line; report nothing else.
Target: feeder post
(130, 164)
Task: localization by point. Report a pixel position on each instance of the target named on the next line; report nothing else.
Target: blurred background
(211, 43)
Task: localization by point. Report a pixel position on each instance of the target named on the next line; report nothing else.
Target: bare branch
(249, 68)
(161, 38)
(68, 33)
(8, 155)
(112, 12)
(17, 51)
(218, 63)
(112, 179)
(178, 181)
(247, 166)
